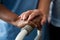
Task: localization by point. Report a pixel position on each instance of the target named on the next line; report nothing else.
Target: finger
(26, 14)
(43, 21)
(21, 23)
(21, 16)
(33, 15)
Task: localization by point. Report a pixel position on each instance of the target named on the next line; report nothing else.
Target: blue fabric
(55, 17)
(8, 31)
(45, 32)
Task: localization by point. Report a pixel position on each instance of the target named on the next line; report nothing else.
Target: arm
(41, 12)
(7, 15)
(44, 6)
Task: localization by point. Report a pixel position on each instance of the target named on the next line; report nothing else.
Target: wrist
(44, 12)
(15, 22)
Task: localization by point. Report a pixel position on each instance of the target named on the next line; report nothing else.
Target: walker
(26, 30)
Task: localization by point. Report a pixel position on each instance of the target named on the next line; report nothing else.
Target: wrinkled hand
(35, 17)
(34, 23)
(31, 14)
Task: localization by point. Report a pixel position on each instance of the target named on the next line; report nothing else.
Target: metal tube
(38, 37)
(24, 31)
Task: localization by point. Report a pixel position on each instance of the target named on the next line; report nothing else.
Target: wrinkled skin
(30, 17)
(33, 23)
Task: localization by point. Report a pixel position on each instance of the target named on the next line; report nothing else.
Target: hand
(35, 16)
(32, 16)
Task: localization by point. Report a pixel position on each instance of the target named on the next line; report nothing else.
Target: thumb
(43, 21)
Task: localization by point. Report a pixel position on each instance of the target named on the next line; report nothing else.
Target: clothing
(54, 32)
(45, 32)
(55, 17)
(53, 29)
(8, 31)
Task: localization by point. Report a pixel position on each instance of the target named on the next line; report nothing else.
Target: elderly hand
(35, 17)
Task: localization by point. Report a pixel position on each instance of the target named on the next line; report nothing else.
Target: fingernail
(23, 18)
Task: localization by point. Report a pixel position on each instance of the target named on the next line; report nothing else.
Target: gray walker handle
(38, 37)
(25, 31)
